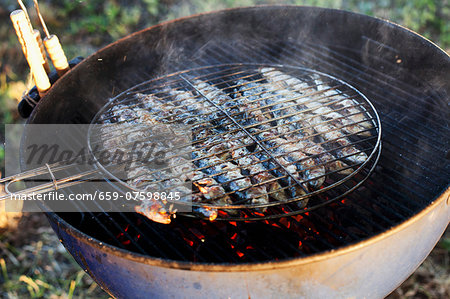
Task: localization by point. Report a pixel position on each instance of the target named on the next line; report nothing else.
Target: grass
(33, 263)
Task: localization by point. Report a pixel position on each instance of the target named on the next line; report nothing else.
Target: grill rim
(233, 267)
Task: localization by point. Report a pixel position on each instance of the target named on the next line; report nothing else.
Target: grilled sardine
(326, 129)
(318, 105)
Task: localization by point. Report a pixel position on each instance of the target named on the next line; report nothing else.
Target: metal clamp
(52, 176)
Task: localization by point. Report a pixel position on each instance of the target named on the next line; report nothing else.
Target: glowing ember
(286, 222)
(297, 218)
(276, 225)
(190, 242)
(259, 214)
(196, 233)
(222, 213)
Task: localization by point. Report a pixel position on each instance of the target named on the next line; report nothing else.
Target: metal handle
(55, 184)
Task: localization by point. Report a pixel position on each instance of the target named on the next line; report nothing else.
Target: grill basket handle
(30, 99)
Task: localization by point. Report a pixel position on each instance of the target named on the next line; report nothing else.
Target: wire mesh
(266, 140)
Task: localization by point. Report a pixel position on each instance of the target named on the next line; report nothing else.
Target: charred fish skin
(356, 113)
(257, 194)
(310, 148)
(180, 114)
(194, 104)
(231, 176)
(313, 172)
(327, 130)
(316, 106)
(154, 211)
(173, 111)
(331, 163)
(332, 134)
(148, 179)
(288, 115)
(259, 173)
(263, 132)
(142, 177)
(225, 173)
(222, 98)
(288, 121)
(210, 188)
(266, 184)
(348, 123)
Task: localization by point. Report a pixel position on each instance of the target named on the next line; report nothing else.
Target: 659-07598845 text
(98, 195)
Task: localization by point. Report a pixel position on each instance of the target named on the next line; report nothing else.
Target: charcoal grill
(363, 244)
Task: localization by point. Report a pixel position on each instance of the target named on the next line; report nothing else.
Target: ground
(34, 264)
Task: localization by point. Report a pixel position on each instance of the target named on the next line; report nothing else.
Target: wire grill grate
(272, 140)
